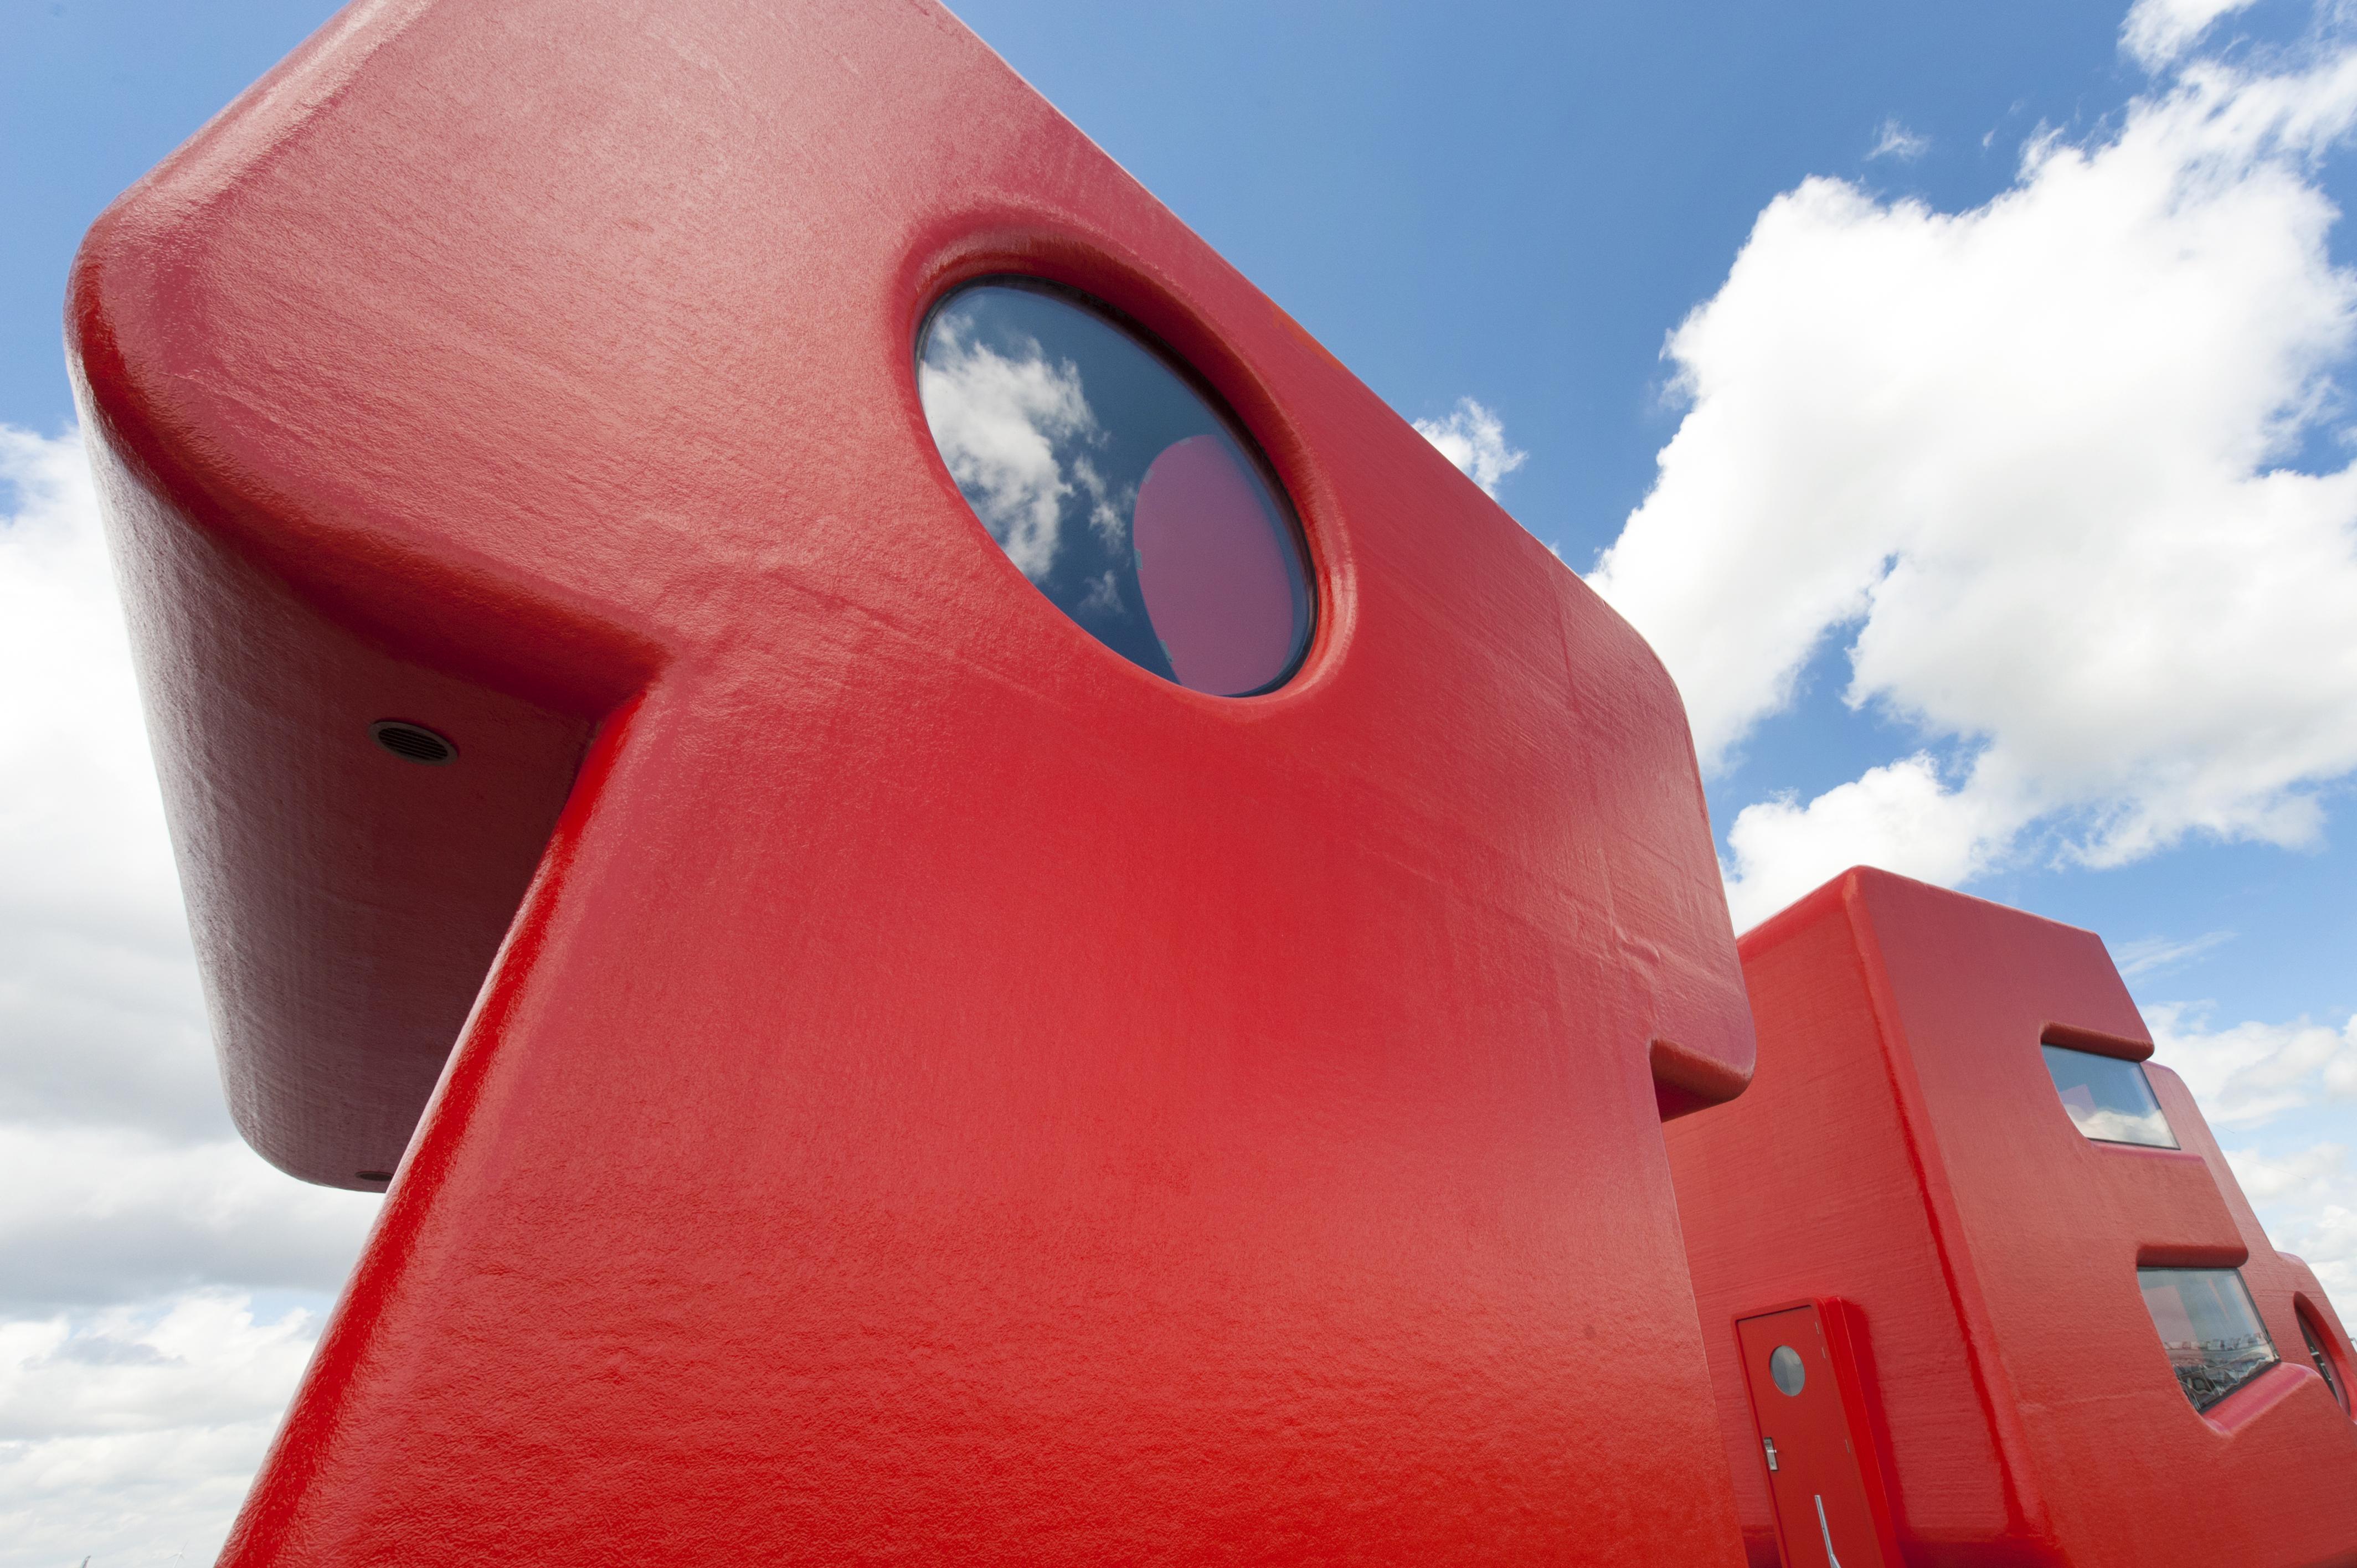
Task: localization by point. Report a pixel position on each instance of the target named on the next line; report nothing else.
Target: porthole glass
(1784, 1366)
(1115, 485)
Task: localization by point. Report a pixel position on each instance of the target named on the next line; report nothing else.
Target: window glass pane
(2213, 1333)
(2316, 1353)
(1115, 485)
(2108, 1099)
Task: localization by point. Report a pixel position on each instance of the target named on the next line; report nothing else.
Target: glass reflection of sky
(2212, 1332)
(1050, 418)
(2109, 1099)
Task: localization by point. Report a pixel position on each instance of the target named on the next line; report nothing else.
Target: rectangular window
(2108, 1099)
(2212, 1332)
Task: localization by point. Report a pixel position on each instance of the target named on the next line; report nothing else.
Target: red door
(1823, 1515)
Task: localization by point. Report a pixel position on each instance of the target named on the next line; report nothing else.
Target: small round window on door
(1115, 485)
(1785, 1369)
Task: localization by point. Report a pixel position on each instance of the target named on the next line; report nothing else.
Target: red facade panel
(1904, 1147)
(940, 1092)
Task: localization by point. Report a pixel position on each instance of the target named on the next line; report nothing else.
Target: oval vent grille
(415, 742)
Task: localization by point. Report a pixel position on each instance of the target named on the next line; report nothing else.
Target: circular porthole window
(1784, 1366)
(1121, 490)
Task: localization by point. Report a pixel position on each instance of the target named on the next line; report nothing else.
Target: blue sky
(2013, 338)
(1513, 203)
(1518, 203)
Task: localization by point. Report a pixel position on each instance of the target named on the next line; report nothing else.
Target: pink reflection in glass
(1215, 568)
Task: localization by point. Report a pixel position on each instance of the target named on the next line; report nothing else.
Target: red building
(1063, 946)
(1976, 1283)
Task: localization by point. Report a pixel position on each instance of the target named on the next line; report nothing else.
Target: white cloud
(2158, 955)
(1103, 597)
(1474, 438)
(2156, 32)
(2031, 456)
(1901, 817)
(99, 1014)
(1894, 140)
(2306, 1176)
(2303, 1199)
(2325, 1238)
(2249, 1075)
(2246, 1074)
(130, 1433)
(91, 1215)
(999, 423)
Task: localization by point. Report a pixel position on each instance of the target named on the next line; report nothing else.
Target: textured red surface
(1902, 1146)
(946, 1094)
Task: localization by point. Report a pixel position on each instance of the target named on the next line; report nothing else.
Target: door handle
(1825, 1530)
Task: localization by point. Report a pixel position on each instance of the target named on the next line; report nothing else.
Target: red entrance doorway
(1805, 1398)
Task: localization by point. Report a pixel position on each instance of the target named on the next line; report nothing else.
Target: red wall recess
(945, 1094)
(1903, 1146)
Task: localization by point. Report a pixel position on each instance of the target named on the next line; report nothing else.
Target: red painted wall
(1902, 1147)
(939, 1092)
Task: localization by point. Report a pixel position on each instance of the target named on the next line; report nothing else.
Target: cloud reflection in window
(1051, 417)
